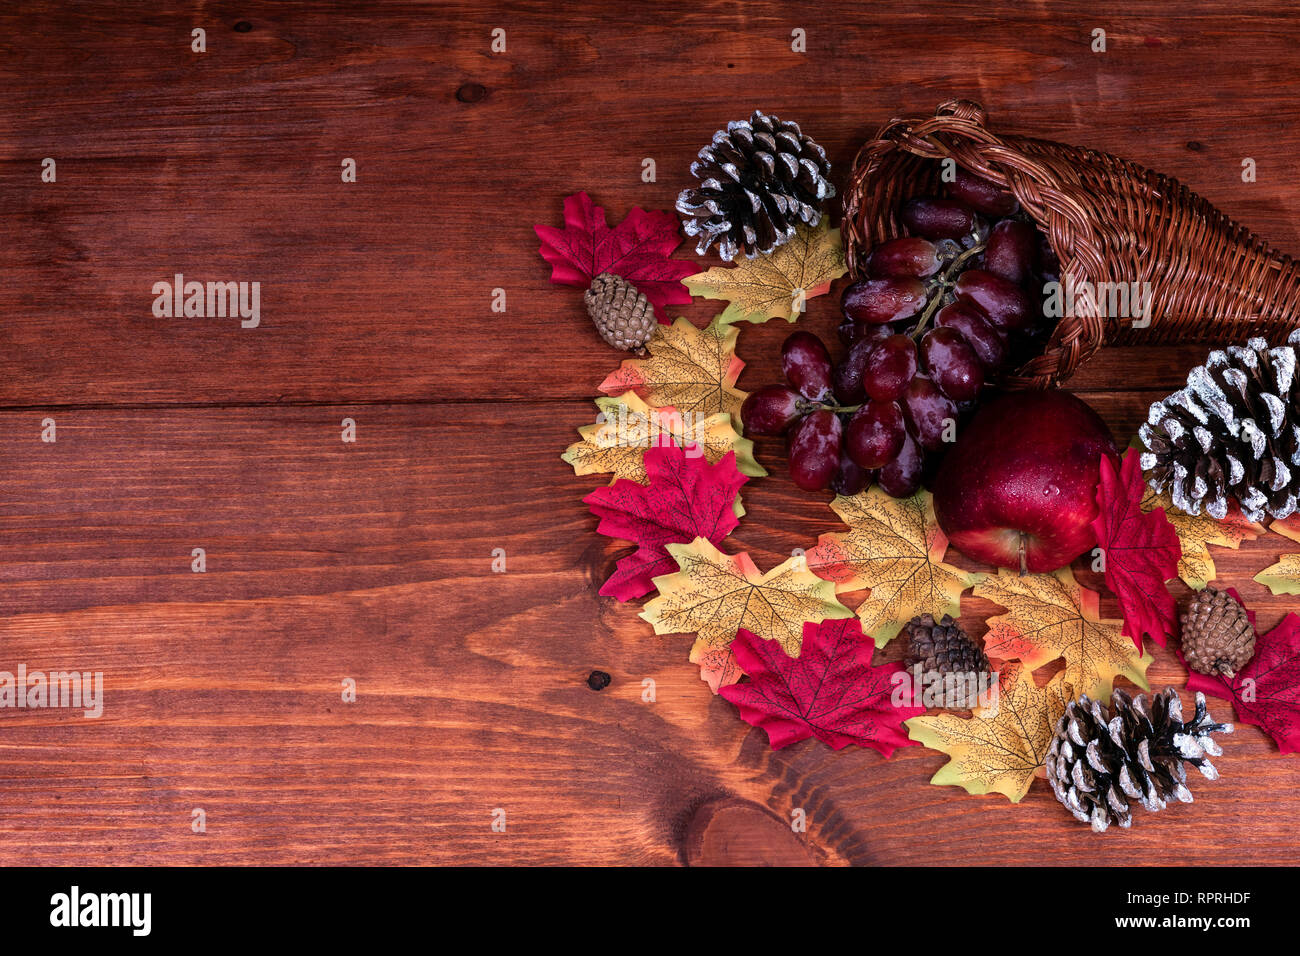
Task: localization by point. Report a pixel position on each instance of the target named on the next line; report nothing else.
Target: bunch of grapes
(939, 314)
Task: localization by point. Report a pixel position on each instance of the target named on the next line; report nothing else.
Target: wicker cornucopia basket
(1108, 220)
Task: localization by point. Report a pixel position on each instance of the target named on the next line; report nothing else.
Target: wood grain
(373, 560)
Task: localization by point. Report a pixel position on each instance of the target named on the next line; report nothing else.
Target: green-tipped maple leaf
(1000, 748)
(616, 444)
(1052, 615)
(693, 370)
(713, 595)
(1197, 532)
(1282, 577)
(775, 286)
(895, 548)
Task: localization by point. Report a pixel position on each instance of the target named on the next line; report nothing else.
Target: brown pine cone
(1218, 637)
(944, 648)
(622, 315)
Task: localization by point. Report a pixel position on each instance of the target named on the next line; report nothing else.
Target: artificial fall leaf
(776, 285)
(1141, 549)
(714, 595)
(686, 498)
(718, 668)
(693, 370)
(616, 443)
(1000, 748)
(1288, 527)
(831, 691)
(895, 548)
(1051, 616)
(636, 249)
(1197, 532)
(1282, 577)
(1266, 692)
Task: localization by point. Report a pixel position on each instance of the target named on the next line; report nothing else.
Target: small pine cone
(759, 179)
(1218, 637)
(622, 315)
(944, 648)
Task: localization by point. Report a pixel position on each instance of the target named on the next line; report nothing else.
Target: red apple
(1019, 487)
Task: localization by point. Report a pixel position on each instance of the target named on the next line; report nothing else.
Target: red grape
(883, 300)
(938, 218)
(847, 332)
(1049, 266)
(848, 374)
(807, 365)
(902, 476)
(770, 410)
(1005, 303)
(875, 434)
(981, 194)
(850, 478)
(888, 367)
(931, 416)
(904, 256)
(952, 364)
(850, 331)
(1010, 251)
(973, 324)
(878, 333)
(815, 450)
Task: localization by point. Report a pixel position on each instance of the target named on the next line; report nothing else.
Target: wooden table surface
(372, 560)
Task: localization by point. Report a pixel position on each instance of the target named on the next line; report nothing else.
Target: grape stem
(945, 282)
(806, 406)
(1024, 561)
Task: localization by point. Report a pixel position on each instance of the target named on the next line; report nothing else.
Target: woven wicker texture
(1109, 221)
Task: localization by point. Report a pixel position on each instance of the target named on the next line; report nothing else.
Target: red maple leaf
(1142, 552)
(831, 691)
(636, 249)
(1266, 692)
(687, 498)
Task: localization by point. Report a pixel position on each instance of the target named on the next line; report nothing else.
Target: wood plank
(226, 165)
(373, 561)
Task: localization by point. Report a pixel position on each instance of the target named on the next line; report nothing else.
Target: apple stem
(1024, 563)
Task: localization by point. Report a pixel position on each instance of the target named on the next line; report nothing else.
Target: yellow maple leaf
(1288, 527)
(616, 443)
(1197, 532)
(1051, 616)
(715, 594)
(693, 370)
(1282, 577)
(775, 286)
(893, 546)
(1000, 748)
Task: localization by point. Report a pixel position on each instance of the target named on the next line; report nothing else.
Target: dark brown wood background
(373, 560)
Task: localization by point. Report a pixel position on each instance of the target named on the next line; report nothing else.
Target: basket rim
(1060, 208)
